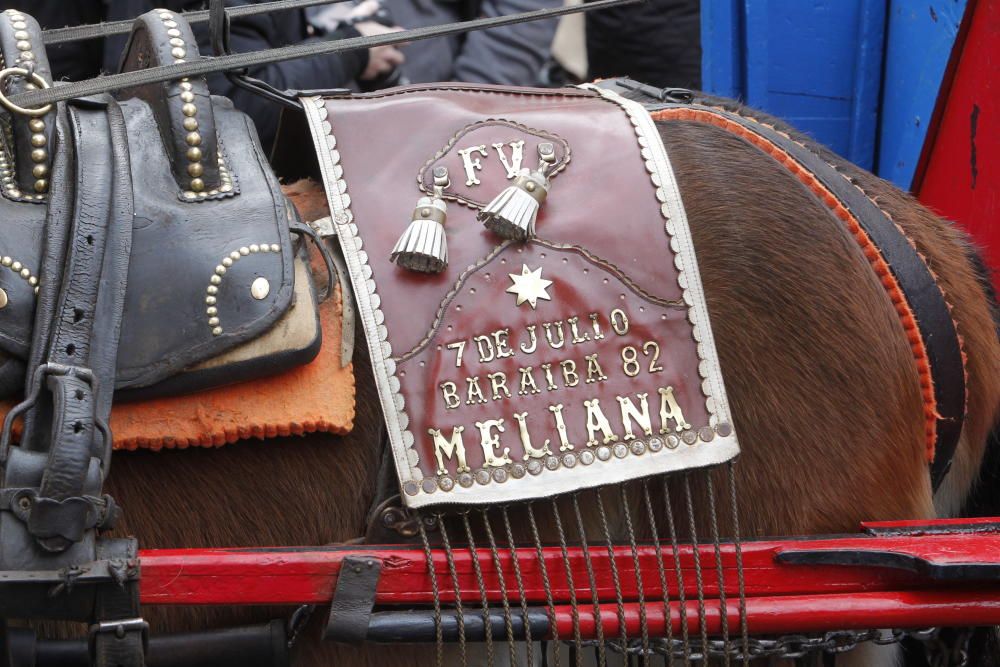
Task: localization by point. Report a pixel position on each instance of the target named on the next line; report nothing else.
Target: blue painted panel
(722, 62)
(920, 37)
(815, 63)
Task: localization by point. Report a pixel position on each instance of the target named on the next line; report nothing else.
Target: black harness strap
(919, 288)
(51, 508)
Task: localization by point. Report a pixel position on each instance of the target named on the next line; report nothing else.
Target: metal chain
(786, 646)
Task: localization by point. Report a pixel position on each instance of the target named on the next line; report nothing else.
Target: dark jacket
(81, 60)
(656, 42)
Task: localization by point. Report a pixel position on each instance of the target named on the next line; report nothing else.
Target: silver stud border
(211, 292)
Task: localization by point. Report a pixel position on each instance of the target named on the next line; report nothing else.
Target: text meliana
(497, 345)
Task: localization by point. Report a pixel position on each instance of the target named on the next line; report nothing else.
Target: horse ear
(423, 247)
(182, 108)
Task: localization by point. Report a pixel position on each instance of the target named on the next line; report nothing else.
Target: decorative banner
(524, 369)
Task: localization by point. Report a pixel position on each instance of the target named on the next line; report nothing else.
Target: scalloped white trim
(661, 174)
(369, 304)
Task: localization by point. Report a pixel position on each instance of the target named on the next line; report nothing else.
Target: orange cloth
(316, 397)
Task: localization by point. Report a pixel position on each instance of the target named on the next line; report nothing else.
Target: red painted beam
(308, 575)
(800, 614)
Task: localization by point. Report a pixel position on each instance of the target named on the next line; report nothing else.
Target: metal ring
(36, 79)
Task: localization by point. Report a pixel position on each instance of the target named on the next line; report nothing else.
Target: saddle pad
(579, 358)
(315, 397)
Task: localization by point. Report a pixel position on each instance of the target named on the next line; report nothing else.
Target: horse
(819, 375)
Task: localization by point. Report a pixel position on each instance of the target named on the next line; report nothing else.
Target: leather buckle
(43, 371)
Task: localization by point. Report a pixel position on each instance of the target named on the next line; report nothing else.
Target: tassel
(423, 247)
(512, 214)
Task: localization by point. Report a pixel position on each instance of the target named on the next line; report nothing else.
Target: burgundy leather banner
(579, 358)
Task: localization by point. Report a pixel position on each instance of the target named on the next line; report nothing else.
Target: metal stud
(212, 289)
(174, 32)
(5, 260)
(190, 124)
(16, 266)
(39, 155)
(211, 311)
(170, 24)
(187, 96)
(195, 169)
(215, 280)
(39, 171)
(26, 55)
(213, 321)
(41, 185)
(36, 125)
(21, 34)
(32, 281)
(185, 84)
(197, 184)
(235, 255)
(275, 247)
(19, 25)
(25, 273)
(220, 270)
(193, 139)
(189, 109)
(3, 299)
(23, 45)
(244, 251)
(194, 153)
(217, 331)
(176, 41)
(38, 140)
(260, 288)
(254, 247)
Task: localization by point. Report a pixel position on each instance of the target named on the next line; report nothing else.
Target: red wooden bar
(308, 575)
(810, 613)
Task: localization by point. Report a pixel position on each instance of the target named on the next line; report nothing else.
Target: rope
(459, 615)
(507, 621)
(654, 532)
(487, 623)
(595, 598)
(78, 33)
(702, 620)
(723, 611)
(609, 543)
(438, 632)
(240, 61)
(744, 631)
(520, 585)
(678, 572)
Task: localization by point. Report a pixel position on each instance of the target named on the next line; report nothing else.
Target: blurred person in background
(512, 55)
(85, 59)
(656, 42)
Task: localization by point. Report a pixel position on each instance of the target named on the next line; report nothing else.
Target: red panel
(959, 175)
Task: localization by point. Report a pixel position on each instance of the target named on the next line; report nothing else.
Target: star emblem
(529, 286)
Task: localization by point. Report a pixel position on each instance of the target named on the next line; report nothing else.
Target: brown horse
(820, 378)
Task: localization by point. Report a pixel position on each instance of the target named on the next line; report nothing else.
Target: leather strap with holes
(78, 368)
